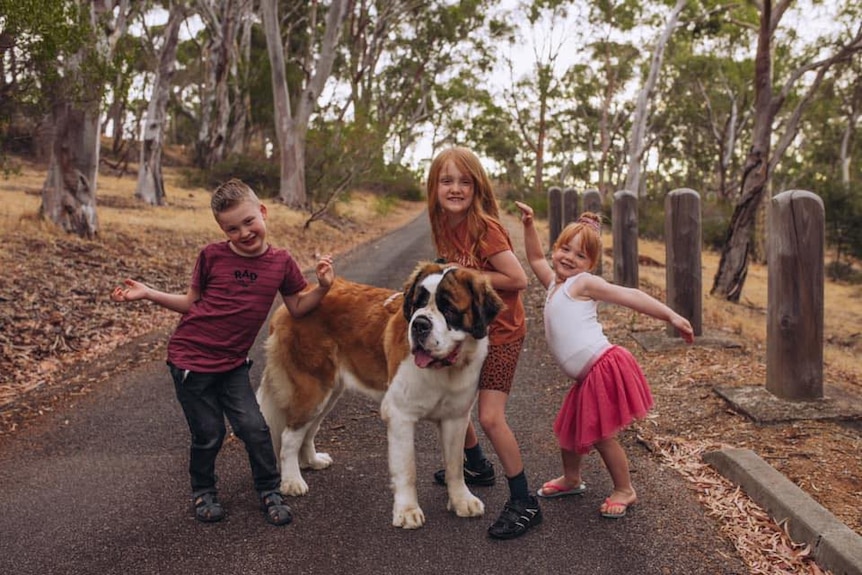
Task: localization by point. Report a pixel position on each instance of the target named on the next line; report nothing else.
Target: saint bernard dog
(419, 352)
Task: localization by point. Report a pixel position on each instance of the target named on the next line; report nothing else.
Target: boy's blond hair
(230, 194)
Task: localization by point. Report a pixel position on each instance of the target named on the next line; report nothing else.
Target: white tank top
(572, 330)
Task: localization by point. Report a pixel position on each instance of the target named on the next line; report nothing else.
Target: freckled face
(455, 191)
(245, 228)
(570, 259)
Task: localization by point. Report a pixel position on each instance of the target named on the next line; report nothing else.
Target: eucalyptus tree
(70, 44)
(314, 58)
(705, 110)
(566, 102)
(637, 138)
(761, 159)
(591, 125)
(825, 162)
(410, 66)
(223, 21)
(534, 98)
(594, 127)
(150, 186)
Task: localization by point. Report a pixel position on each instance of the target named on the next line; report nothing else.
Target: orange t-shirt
(511, 323)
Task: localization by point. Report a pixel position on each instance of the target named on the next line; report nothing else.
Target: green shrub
(651, 218)
(264, 176)
(383, 205)
(715, 218)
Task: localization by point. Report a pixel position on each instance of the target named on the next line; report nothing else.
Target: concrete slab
(834, 546)
(760, 405)
(660, 341)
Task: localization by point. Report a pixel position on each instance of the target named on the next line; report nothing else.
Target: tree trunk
(220, 19)
(638, 133)
(292, 125)
(238, 135)
(69, 192)
(760, 162)
(151, 187)
(737, 249)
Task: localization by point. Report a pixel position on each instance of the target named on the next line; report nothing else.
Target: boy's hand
(526, 213)
(132, 292)
(325, 272)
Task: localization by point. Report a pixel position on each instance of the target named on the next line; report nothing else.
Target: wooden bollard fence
(593, 203)
(555, 214)
(570, 207)
(683, 272)
(795, 288)
(625, 234)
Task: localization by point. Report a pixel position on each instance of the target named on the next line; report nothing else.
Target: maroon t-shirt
(236, 294)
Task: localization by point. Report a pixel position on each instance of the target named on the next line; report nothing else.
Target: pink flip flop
(619, 515)
(550, 490)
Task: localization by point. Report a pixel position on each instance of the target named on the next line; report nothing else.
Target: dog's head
(445, 306)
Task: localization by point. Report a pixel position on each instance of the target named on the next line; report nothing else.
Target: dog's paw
(318, 461)
(408, 518)
(470, 506)
(294, 486)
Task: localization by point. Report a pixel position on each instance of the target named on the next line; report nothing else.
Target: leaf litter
(60, 336)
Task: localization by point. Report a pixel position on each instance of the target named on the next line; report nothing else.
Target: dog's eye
(422, 298)
(452, 315)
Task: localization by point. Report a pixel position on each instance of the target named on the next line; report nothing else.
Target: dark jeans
(206, 398)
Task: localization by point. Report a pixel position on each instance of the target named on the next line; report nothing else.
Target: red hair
(483, 208)
(588, 226)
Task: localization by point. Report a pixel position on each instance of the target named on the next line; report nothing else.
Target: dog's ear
(486, 305)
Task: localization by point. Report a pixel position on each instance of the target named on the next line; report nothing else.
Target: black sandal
(207, 508)
(275, 509)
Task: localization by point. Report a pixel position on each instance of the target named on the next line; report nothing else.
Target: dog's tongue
(422, 358)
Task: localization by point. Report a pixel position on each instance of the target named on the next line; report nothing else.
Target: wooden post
(795, 287)
(625, 234)
(683, 245)
(593, 203)
(570, 207)
(555, 214)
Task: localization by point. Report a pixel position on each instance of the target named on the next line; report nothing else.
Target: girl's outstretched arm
(596, 288)
(533, 245)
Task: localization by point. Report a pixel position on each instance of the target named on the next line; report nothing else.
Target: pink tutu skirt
(612, 395)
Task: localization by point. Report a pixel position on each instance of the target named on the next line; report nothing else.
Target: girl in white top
(609, 389)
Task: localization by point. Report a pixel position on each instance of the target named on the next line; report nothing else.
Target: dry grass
(121, 215)
(55, 315)
(54, 309)
(842, 316)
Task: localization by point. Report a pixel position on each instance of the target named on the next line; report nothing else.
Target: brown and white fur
(419, 352)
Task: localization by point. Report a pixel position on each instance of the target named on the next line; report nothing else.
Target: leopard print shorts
(498, 372)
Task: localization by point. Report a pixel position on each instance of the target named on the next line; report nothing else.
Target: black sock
(474, 456)
(518, 488)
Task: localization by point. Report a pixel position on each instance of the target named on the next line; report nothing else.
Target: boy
(228, 300)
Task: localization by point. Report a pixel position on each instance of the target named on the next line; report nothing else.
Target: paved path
(101, 488)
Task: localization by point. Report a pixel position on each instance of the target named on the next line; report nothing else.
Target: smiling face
(244, 224)
(455, 191)
(569, 258)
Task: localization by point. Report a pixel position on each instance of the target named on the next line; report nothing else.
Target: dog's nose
(420, 327)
